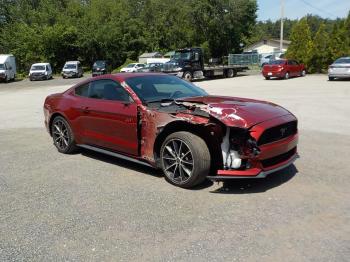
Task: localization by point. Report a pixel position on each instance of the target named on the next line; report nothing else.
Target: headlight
(46, 73)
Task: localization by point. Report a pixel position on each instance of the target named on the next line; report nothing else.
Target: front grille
(278, 159)
(37, 74)
(278, 132)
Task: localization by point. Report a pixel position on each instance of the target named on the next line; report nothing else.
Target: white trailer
(7, 68)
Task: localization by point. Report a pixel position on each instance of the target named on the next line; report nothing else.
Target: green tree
(301, 45)
(319, 52)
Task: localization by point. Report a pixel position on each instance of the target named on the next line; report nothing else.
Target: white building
(266, 46)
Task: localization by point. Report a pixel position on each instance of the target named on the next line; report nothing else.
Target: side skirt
(110, 153)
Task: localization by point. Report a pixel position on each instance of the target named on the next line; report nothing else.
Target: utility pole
(282, 18)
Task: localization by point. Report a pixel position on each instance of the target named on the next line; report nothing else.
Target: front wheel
(267, 77)
(62, 135)
(185, 159)
(303, 73)
(187, 76)
(330, 78)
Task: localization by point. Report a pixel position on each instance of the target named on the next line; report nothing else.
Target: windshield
(342, 61)
(130, 65)
(70, 66)
(182, 55)
(37, 68)
(2, 67)
(155, 88)
(99, 64)
(277, 62)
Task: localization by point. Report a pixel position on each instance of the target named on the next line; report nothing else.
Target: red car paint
(136, 130)
(280, 69)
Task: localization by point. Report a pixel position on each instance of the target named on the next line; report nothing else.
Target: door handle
(85, 109)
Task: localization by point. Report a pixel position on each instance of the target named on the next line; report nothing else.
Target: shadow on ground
(249, 186)
(235, 186)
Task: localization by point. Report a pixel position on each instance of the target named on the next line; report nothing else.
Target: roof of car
(40, 64)
(72, 62)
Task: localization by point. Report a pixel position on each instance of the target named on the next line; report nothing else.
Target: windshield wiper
(163, 100)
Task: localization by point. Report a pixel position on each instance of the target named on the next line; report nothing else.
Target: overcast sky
(270, 9)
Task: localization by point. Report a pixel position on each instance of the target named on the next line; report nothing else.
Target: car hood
(237, 112)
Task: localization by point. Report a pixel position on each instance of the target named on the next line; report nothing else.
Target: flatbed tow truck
(189, 64)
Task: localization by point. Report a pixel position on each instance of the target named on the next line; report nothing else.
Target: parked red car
(283, 69)
(168, 123)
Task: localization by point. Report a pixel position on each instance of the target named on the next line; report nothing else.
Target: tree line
(117, 30)
(120, 30)
(318, 46)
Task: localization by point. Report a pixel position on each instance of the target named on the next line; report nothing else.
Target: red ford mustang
(283, 69)
(168, 123)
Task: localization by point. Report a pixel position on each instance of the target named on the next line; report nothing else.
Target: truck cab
(187, 63)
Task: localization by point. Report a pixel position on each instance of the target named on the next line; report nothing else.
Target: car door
(295, 68)
(110, 117)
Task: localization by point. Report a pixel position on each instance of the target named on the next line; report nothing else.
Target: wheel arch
(212, 141)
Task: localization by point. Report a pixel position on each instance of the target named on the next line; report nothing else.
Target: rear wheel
(185, 159)
(303, 73)
(187, 76)
(330, 78)
(230, 73)
(62, 135)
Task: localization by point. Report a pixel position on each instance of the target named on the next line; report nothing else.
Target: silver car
(339, 69)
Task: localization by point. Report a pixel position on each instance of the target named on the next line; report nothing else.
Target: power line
(315, 7)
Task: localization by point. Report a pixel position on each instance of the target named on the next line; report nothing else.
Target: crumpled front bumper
(273, 156)
(253, 172)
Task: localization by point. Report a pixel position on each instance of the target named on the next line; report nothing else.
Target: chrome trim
(110, 153)
(262, 174)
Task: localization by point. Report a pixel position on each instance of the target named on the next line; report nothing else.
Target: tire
(303, 73)
(187, 76)
(331, 78)
(230, 73)
(286, 76)
(267, 77)
(62, 135)
(190, 165)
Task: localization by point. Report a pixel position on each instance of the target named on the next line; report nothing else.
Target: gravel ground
(91, 207)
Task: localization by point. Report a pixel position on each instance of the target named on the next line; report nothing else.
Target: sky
(293, 9)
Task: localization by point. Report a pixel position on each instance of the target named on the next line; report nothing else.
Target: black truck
(189, 64)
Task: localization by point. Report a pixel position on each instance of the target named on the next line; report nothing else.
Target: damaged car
(167, 123)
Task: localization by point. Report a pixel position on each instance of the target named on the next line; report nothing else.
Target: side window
(82, 90)
(47, 68)
(96, 89)
(108, 90)
(196, 56)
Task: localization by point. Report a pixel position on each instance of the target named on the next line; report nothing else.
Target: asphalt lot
(89, 207)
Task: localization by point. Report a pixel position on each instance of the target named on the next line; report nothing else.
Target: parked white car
(72, 69)
(7, 67)
(339, 69)
(40, 71)
(130, 68)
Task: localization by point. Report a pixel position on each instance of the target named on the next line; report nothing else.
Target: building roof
(147, 55)
(272, 42)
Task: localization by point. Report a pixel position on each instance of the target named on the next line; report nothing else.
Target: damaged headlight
(237, 147)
